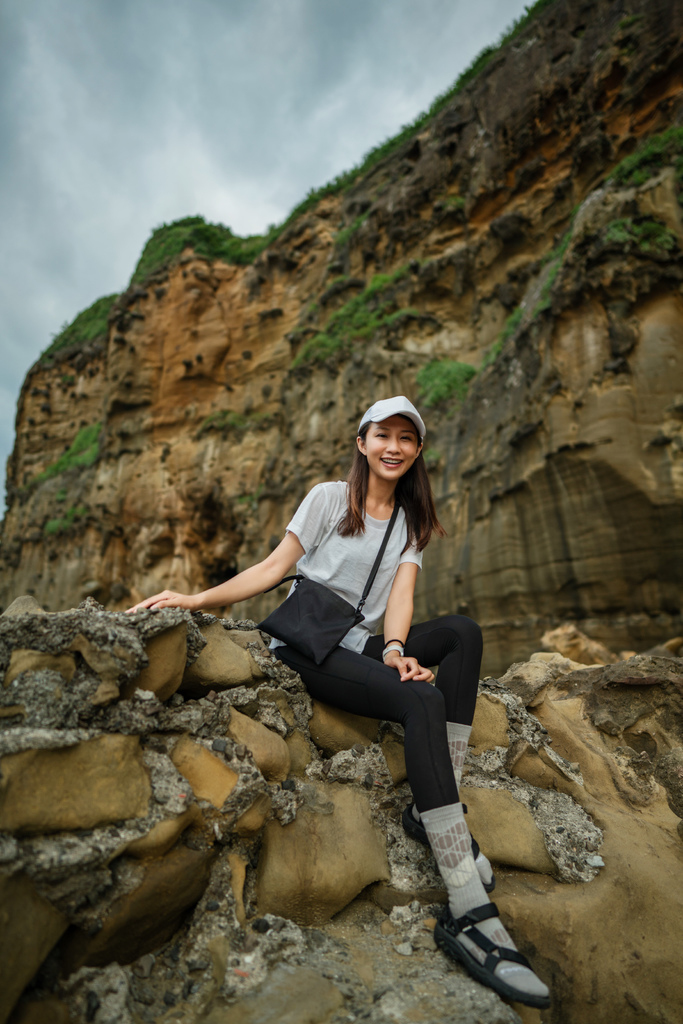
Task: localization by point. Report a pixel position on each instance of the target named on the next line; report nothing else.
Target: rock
(238, 874)
(669, 773)
(529, 679)
(164, 834)
(574, 644)
(301, 996)
(167, 653)
(505, 830)
(221, 665)
(211, 779)
(300, 755)
(148, 915)
(29, 928)
(310, 869)
(23, 660)
(43, 1011)
(394, 755)
(251, 820)
(333, 730)
(24, 605)
(270, 751)
(95, 782)
(490, 725)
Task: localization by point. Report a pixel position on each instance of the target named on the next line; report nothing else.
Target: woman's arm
(246, 584)
(399, 614)
(397, 621)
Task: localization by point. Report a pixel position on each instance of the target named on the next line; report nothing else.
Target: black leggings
(363, 685)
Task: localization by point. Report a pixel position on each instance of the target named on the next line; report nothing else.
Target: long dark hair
(413, 493)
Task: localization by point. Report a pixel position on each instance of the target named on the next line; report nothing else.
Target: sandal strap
(467, 923)
(476, 915)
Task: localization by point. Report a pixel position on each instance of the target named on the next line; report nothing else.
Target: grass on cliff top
(214, 241)
(83, 451)
(360, 317)
(89, 325)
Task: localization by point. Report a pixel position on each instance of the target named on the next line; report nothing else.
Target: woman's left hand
(409, 668)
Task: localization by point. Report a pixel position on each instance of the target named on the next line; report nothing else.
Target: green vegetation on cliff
(53, 526)
(650, 157)
(82, 452)
(444, 380)
(214, 241)
(90, 325)
(651, 237)
(360, 317)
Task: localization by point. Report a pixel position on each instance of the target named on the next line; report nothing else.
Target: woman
(333, 538)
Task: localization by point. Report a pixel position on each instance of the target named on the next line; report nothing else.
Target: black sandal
(447, 935)
(416, 830)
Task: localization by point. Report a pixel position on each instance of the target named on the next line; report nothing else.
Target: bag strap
(286, 579)
(373, 571)
(380, 555)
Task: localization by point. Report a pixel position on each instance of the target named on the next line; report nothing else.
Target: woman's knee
(464, 630)
(426, 700)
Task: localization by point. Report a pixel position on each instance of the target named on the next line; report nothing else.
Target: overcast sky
(118, 115)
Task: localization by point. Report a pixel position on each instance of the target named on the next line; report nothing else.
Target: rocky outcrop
(241, 853)
(174, 452)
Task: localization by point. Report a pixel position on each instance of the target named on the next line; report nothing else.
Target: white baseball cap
(398, 406)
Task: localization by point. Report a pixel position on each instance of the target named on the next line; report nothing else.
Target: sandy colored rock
(633, 891)
(505, 829)
(96, 782)
(490, 725)
(238, 874)
(148, 915)
(333, 730)
(42, 1011)
(211, 779)
(29, 928)
(107, 662)
(301, 996)
(537, 767)
(300, 753)
(244, 637)
(574, 644)
(310, 869)
(167, 653)
(394, 755)
(23, 660)
(23, 605)
(270, 751)
(249, 823)
(164, 834)
(222, 664)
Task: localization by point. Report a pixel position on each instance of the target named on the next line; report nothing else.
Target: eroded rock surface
(229, 877)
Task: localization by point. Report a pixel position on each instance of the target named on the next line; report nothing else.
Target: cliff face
(223, 393)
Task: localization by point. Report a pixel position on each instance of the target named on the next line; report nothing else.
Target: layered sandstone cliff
(493, 239)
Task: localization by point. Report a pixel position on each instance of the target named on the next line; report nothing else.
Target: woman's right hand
(167, 599)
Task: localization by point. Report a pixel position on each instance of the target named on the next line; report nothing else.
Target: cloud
(116, 117)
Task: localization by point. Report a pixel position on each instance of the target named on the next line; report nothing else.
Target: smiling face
(390, 447)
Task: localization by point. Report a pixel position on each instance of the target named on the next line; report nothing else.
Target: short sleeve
(411, 555)
(310, 521)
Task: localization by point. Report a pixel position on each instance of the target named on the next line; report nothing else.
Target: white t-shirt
(343, 563)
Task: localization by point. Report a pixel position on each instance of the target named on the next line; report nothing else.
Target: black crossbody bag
(313, 619)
